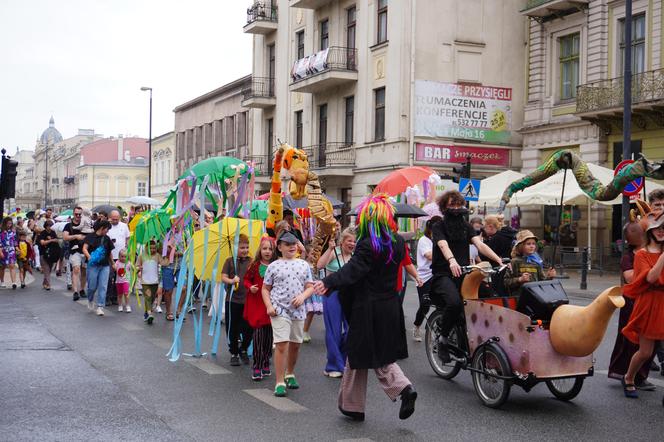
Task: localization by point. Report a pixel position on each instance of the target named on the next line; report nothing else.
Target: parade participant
(646, 324)
(526, 265)
(49, 251)
(148, 271)
(499, 238)
(283, 226)
(97, 248)
(623, 349)
(8, 243)
(376, 332)
(424, 252)
(121, 282)
(406, 267)
(255, 312)
(119, 235)
(289, 218)
(286, 285)
(237, 328)
(656, 202)
(167, 281)
(74, 233)
(22, 256)
(451, 238)
(336, 326)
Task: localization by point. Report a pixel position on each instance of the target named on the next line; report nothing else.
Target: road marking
(161, 343)
(130, 326)
(280, 403)
(206, 365)
(655, 381)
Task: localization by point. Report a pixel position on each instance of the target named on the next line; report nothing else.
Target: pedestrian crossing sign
(470, 189)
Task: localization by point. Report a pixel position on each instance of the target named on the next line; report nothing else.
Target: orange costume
(647, 318)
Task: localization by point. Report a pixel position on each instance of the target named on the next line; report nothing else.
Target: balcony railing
(262, 166)
(334, 58)
(608, 94)
(259, 87)
(262, 11)
(331, 155)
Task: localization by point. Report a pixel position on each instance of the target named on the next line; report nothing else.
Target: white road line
(206, 365)
(280, 403)
(161, 343)
(130, 326)
(655, 381)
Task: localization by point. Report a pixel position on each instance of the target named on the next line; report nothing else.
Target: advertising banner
(480, 156)
(463, 111)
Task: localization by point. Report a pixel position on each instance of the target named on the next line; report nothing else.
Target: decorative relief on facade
(380, 68)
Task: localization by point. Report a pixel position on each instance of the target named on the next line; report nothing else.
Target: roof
(134, 163)
(51, 135)
(237, 84)
(163, 136)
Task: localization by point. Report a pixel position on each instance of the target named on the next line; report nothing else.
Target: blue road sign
(470, 189)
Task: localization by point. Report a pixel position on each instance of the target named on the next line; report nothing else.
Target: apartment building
(216, 123)
(369, 86)
(574, 94)
(163, 165)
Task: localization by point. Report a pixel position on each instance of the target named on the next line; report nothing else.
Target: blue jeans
(98, 281)
(336, 329)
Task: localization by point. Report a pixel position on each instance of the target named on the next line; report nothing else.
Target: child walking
(121, 282)
(168, 281)
(237, 329)
(255, 312)
(148, 269)
(286, 285)
(22, 256)
(526, 265)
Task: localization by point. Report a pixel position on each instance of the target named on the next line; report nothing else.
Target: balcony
(259, 93)
(331, 159)
(542, 10)
(308, 4)
(262, 165)
(328, 68)
(601, 102)
(261, 18)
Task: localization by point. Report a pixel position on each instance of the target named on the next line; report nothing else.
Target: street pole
(145, 88)
(2, 191)
(627, 104)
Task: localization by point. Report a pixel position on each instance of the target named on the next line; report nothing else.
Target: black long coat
(367, 286)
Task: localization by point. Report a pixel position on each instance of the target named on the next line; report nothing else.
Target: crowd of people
(272, 297)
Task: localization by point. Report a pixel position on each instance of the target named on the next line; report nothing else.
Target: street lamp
(145, 88)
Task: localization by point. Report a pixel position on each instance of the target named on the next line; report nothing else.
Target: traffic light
(8, 178)
(461, 171)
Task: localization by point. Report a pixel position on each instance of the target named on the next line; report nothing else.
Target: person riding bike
(452, 237)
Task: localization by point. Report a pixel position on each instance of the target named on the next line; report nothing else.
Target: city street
(70, 375)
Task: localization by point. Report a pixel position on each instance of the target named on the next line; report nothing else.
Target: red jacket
(255, 311)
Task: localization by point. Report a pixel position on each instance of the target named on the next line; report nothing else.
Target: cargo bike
(505, 341)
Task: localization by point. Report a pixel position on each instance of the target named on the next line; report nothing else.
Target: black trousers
(237, 328)
(422, 294)
(445, 295)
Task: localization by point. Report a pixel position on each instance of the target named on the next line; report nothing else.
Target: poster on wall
(463, 111)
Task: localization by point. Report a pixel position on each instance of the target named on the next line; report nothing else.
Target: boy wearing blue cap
(286, 285)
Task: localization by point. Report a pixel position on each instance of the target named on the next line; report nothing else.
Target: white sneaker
(333, 374)
(99, 311)
(417, 334)
(91, 305)
(158, 309)
(120, 308)
(307, 338)
(128, 309)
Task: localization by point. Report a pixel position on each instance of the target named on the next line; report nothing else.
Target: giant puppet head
(297, 165)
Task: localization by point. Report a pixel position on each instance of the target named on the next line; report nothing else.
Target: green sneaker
(291, 382)
(280, 390)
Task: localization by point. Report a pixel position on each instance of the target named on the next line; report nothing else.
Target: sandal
(629, 389)
(170, 317)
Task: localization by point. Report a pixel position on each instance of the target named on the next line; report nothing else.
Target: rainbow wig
(375, 219)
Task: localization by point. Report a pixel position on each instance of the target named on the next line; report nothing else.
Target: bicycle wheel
(565, 389)
(490, 361)
(432, 333)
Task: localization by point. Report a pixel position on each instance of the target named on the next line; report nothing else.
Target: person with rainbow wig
(367, 291)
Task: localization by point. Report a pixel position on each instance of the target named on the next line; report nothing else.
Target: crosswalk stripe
(206, 365)
(280, 403)
(655, 381)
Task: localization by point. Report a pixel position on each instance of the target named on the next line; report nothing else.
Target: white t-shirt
(424, 245)
(288, 278)
(150, 273)
(118, 234)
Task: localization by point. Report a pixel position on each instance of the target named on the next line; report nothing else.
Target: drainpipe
(411, 138)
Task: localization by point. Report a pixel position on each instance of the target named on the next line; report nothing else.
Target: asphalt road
(69, 375)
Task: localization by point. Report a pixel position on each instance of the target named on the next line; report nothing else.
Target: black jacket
(502, 242)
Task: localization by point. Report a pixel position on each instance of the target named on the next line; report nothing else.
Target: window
(230, 132)
(569, 65)
(324, 34)
(351, 17)
(638, 44)
(322, 135)
(350, 114)
(271, 61)
(299, 41)
(379, 114)
(382, 21)
(270, 135)
(218, 132)
(141, 188)
(298, 129)
(242, 129)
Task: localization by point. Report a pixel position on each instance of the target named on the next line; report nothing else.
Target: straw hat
(523, 235)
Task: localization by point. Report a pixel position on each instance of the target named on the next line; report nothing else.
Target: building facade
(574, 93)
(213, 124)
(112, 170)
(163, 165)
(369, 86)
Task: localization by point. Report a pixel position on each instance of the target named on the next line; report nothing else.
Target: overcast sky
(84, 61)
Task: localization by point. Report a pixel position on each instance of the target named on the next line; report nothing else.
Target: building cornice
(237, 84)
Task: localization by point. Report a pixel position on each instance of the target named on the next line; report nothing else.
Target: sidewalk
(596, 283)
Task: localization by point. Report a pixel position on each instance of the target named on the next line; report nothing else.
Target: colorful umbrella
(153, 225)
(68, 212)
(215, 167)
(396, 182)
(258, 210)
(220, 243)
